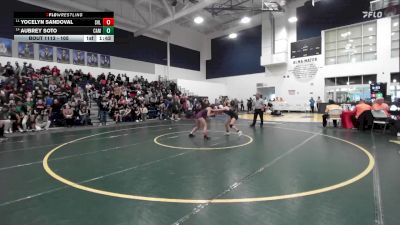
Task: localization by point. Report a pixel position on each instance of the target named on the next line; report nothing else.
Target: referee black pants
(256, 113)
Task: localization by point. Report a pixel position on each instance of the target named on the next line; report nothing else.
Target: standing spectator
(312, 104)
(249, 105)
(17, 70)
(3, 123)
(104, 107)
(241, 105)
(259, 108)
(2, 137)
(162, 110)
(175, 109)
(319, 101)
(143, 112)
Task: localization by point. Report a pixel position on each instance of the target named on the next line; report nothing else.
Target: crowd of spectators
(34, 99)
(136, 100)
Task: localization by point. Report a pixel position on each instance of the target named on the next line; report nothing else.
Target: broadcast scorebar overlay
(64, 26)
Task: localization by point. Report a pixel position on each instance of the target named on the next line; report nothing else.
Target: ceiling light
(198, 20)
(292, 19)
(370, 37)
(245, 19)
(392, 33)
(369, 82)
(233, 36)
(394, 81)
(370, 29)
(396, 24)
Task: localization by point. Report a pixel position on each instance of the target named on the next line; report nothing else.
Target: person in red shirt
(55, 71)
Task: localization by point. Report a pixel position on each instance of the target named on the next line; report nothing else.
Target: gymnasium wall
(231, 57)
(212, 90)
(328, 14)
(281, 75)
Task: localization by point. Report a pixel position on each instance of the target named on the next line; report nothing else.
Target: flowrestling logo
(380, 11)
(372, 14)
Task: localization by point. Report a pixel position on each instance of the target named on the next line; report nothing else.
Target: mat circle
(157, 141)
(364, 173)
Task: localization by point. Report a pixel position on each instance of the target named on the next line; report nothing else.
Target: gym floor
(282, 174)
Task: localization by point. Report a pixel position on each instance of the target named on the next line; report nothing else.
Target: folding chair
(380, 117)
(335, 114)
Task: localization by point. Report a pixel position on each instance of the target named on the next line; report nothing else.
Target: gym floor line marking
(69, 156)
(377, 189)
(156, 140)
(233, 186)
(173, 137)
(56, 144)
(75, 155)
(93, 179)
(396, 142)
(115, 136)
(365, 172)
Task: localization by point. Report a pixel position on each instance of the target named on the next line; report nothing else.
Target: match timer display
(64, 26)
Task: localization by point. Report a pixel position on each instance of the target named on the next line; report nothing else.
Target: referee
(259, 108)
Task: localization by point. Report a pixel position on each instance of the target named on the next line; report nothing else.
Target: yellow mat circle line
(200, 149)
(364, 173)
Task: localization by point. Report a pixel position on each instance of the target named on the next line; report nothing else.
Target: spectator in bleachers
(68, 115)
(32, 95)
(42, 121)
(84, 114)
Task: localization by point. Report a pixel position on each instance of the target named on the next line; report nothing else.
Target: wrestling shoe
(191, 135)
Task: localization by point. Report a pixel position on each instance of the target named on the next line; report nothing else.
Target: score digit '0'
(108, 22)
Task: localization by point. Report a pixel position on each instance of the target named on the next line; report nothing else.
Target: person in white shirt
(143, 112)
(259, 109)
